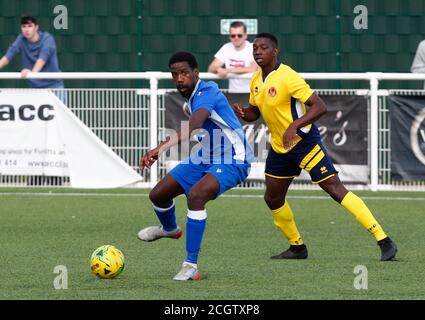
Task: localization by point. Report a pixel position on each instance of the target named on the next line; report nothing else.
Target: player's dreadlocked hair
(268, 36)
(183, 56)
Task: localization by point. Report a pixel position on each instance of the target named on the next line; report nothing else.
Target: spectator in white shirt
(418, 64)
(235, 57)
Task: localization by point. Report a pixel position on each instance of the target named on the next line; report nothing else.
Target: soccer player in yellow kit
(279, 95)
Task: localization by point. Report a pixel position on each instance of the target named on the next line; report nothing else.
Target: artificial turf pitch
(43, 228)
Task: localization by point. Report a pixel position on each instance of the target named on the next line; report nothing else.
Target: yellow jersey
(280, 99)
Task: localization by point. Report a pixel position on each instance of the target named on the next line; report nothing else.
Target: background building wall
(140, 35)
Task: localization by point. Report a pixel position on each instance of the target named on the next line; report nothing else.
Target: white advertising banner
(39, 135)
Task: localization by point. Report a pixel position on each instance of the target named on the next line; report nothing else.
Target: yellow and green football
(107, 262)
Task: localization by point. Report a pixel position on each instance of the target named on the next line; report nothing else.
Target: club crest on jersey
(272, 92)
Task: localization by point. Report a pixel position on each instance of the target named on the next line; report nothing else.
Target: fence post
(374, 145)
(153, 125)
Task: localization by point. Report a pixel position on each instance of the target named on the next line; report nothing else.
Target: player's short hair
(28, 19)
(183, 56)
(238, 24)
(269, 36)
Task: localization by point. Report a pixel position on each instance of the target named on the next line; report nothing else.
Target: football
(107, 262)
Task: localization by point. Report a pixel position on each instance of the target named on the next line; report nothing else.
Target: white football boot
(188, 272)
(157, 232)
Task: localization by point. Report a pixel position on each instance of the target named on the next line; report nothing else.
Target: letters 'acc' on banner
(343, 130)
(41, 136)
(407, 120)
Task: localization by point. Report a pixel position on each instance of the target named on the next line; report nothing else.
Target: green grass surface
(38, 232)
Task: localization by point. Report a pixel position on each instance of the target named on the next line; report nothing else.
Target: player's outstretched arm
(195, 122)
(247, 114)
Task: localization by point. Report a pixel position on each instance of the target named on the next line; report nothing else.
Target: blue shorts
(309, 154)
(188, 174)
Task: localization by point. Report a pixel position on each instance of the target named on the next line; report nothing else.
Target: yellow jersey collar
(274, 69)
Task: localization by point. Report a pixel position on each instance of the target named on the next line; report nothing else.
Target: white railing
(154, 93)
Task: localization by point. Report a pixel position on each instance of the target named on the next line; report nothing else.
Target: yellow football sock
(284, 220)
(360, 211)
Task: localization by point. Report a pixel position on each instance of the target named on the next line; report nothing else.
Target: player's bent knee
(154, 196)
(158, 197)
(198, 198)
(337, 191)
(274, 202)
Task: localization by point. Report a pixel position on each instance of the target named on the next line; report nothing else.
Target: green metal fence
(140, 35)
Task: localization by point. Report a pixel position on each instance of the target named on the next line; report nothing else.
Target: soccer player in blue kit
(222, 162)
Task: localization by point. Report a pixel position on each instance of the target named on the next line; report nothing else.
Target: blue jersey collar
(189, 101)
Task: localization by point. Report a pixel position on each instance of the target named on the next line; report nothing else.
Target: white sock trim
(174, 231)
(195, 265)
(163, 209)
(197, 214)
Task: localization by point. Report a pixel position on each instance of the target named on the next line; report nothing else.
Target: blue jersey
(45, 49)
(222, 137)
